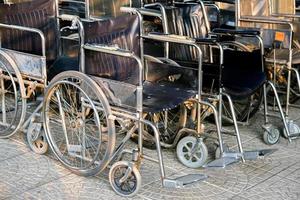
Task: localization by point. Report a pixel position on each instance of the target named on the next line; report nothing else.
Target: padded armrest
(142, 11)
(295, 16)
(263, 19)
(206, 40)
(179, 39)
(170, 38)
(238, 31)
(115, 50)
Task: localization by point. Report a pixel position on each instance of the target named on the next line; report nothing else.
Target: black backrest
(36, 14)
(187, 20)
(123, 31)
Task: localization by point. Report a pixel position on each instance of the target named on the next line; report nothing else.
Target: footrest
(253, 155)
(294, 135)
(222, 162)
(183, 180)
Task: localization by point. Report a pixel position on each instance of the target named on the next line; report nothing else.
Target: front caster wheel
(125, 178)
(192, 152)
(36, 138)
(271, 135)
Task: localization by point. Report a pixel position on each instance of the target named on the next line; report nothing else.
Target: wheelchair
(174, 125)
(196, 26)
(281, 49)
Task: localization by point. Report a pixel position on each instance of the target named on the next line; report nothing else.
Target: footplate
(222, 162)
(233, 157)
(253, 155)
(183, 180)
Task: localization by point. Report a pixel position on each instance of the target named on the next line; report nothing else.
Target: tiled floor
(25, 175)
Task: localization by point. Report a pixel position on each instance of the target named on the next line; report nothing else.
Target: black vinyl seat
(164, 96)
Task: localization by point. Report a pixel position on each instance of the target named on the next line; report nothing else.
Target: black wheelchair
(191, 20)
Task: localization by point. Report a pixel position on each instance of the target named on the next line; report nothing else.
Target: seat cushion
(164, 96)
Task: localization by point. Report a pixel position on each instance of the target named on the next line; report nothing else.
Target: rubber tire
(181, 157)
(135, 172)
(268, 139)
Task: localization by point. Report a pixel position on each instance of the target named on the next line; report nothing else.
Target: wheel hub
(76, 123)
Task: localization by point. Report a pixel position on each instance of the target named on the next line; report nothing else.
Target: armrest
(67, 17)
(239, 31)
(179, 39)
(115, 50)
(142, 11)
(268, 20)
(294, 16)
(170, 38)
(206, 40)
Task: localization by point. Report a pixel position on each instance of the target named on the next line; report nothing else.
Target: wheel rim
(273, 136)
(129, 185)
(191, 152)
(40, 146)
(89, 140)
(11, 110)
(125, 187)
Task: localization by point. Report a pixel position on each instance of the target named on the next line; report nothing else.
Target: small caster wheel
(218, 151)
(192, 152)
(271, 135)
(36, 138)
(125, 178)
(294, 129)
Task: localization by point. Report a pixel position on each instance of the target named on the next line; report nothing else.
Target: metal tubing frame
(238, 137)
(164, 23)
(280, 108)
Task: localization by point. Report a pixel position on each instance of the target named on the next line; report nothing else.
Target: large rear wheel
(77, 123)
(12, 101)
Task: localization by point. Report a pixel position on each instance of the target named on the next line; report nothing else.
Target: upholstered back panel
(186, 20)
(36, 14)
(124, 32)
